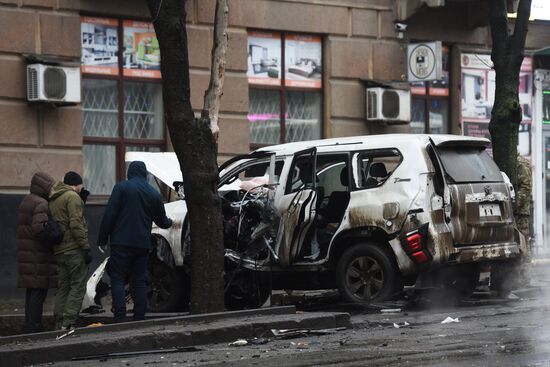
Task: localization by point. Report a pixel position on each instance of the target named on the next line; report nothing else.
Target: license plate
(489, 210)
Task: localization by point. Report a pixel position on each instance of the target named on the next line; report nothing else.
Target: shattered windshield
(469, 165)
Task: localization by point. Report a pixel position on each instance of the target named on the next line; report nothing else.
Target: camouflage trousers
(71, 288)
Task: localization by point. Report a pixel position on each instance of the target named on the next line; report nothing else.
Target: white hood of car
(164, 166)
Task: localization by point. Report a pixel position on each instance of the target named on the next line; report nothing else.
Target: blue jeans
(128, 264)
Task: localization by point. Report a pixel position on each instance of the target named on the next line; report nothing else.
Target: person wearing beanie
(36, 271)
(132, 208)
(73, 253)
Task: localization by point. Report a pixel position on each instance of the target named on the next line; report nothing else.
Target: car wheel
(460, 281)
(168, 287)
(367, 273)
(505, 276)
(247, 289)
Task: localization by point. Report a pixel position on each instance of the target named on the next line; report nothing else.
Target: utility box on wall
(55, 84)
(389, 105)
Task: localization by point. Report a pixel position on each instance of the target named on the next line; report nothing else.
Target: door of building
(546, 186)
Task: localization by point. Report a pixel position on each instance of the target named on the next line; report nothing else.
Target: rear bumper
(489, 252)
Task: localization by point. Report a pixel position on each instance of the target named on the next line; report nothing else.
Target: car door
(480, 205)
(297, 206)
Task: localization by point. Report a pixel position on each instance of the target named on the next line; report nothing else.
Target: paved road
(490, 332)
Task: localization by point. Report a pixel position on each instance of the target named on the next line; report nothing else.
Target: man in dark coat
(37, 270)
(127, 223)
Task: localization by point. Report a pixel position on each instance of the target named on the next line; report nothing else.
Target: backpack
(52, 234)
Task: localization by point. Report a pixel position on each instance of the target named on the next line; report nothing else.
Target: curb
(104, 340)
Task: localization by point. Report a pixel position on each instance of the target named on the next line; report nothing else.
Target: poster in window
(99, 38)
(264, 58)
(141, 50)
(303, 61)
(478, 87)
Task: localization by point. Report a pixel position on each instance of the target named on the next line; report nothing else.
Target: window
(121, 97)
(285, 87)
(375, 168)
(430, 103)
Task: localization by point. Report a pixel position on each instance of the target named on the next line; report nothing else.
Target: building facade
(296, 70)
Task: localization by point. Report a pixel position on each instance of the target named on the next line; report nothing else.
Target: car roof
(375, 142)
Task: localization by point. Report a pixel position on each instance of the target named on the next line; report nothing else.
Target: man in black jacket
(127, 224)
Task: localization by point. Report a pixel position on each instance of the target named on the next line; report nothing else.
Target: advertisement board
(264, 58)
(99, 39)
(303, 61)
(141, 56)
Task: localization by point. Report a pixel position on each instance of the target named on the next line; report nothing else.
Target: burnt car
(366, 215)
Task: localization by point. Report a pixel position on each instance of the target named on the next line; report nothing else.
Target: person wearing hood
(126, 225)
(37, 271)
(73, 253)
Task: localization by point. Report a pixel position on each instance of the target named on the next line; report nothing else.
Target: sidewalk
(157, 334)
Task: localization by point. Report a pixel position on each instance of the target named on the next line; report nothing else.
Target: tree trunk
(196, 149)
(507, 57)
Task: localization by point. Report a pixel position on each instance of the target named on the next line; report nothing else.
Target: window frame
(121, 142)
(283, 88)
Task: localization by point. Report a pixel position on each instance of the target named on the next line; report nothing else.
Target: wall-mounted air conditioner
(390, 105)
(56, 84)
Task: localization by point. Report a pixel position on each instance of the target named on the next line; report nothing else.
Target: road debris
(239, 343)
(139, 353)
(449, 320)
(294, 333)
(70, 332)
(400, 326)
(300, 345)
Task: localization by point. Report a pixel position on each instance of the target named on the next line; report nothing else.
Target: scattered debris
(403, 325)
(294, 333)
(449, 319)
(239, 343)
(95, 324)
(300, 345)
(344, 341)
(70, 332)
(132, 354)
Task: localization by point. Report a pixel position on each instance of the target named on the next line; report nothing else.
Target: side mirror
(178, 185)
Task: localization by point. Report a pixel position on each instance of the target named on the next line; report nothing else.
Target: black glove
(87, 256)
(84, 194)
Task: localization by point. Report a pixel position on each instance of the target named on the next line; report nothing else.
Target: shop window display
(121, 97)
(285, 83)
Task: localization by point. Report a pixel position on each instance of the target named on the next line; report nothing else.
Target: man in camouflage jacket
(523, 196)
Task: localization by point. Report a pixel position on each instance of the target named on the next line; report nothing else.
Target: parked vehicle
(366, 215)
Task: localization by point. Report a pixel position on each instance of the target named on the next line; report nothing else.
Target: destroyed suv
(366, 215)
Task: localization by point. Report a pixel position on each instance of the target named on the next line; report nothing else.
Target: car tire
(247, 289)
(169, 287)
(460, 281)
(368, 273)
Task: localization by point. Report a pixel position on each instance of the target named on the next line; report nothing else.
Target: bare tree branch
(520, 30)
(217, 72)
(499, 31)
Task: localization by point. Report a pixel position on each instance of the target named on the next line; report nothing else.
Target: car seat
(377, 172)
(337, 202)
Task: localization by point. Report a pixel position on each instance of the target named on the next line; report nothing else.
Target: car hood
(164, 166)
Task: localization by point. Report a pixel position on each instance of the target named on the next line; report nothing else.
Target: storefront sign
(141, 50)
(99, 38)
(264, 58)
(303, 61)
(424, 61)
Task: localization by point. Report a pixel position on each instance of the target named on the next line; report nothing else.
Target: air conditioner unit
(390, 105)
(56, 84)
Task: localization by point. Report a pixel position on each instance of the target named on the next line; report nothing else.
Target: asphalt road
(490, 332)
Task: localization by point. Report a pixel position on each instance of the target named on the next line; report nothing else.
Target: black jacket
(132, 208)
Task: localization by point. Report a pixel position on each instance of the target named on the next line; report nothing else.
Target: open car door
(298, 206)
